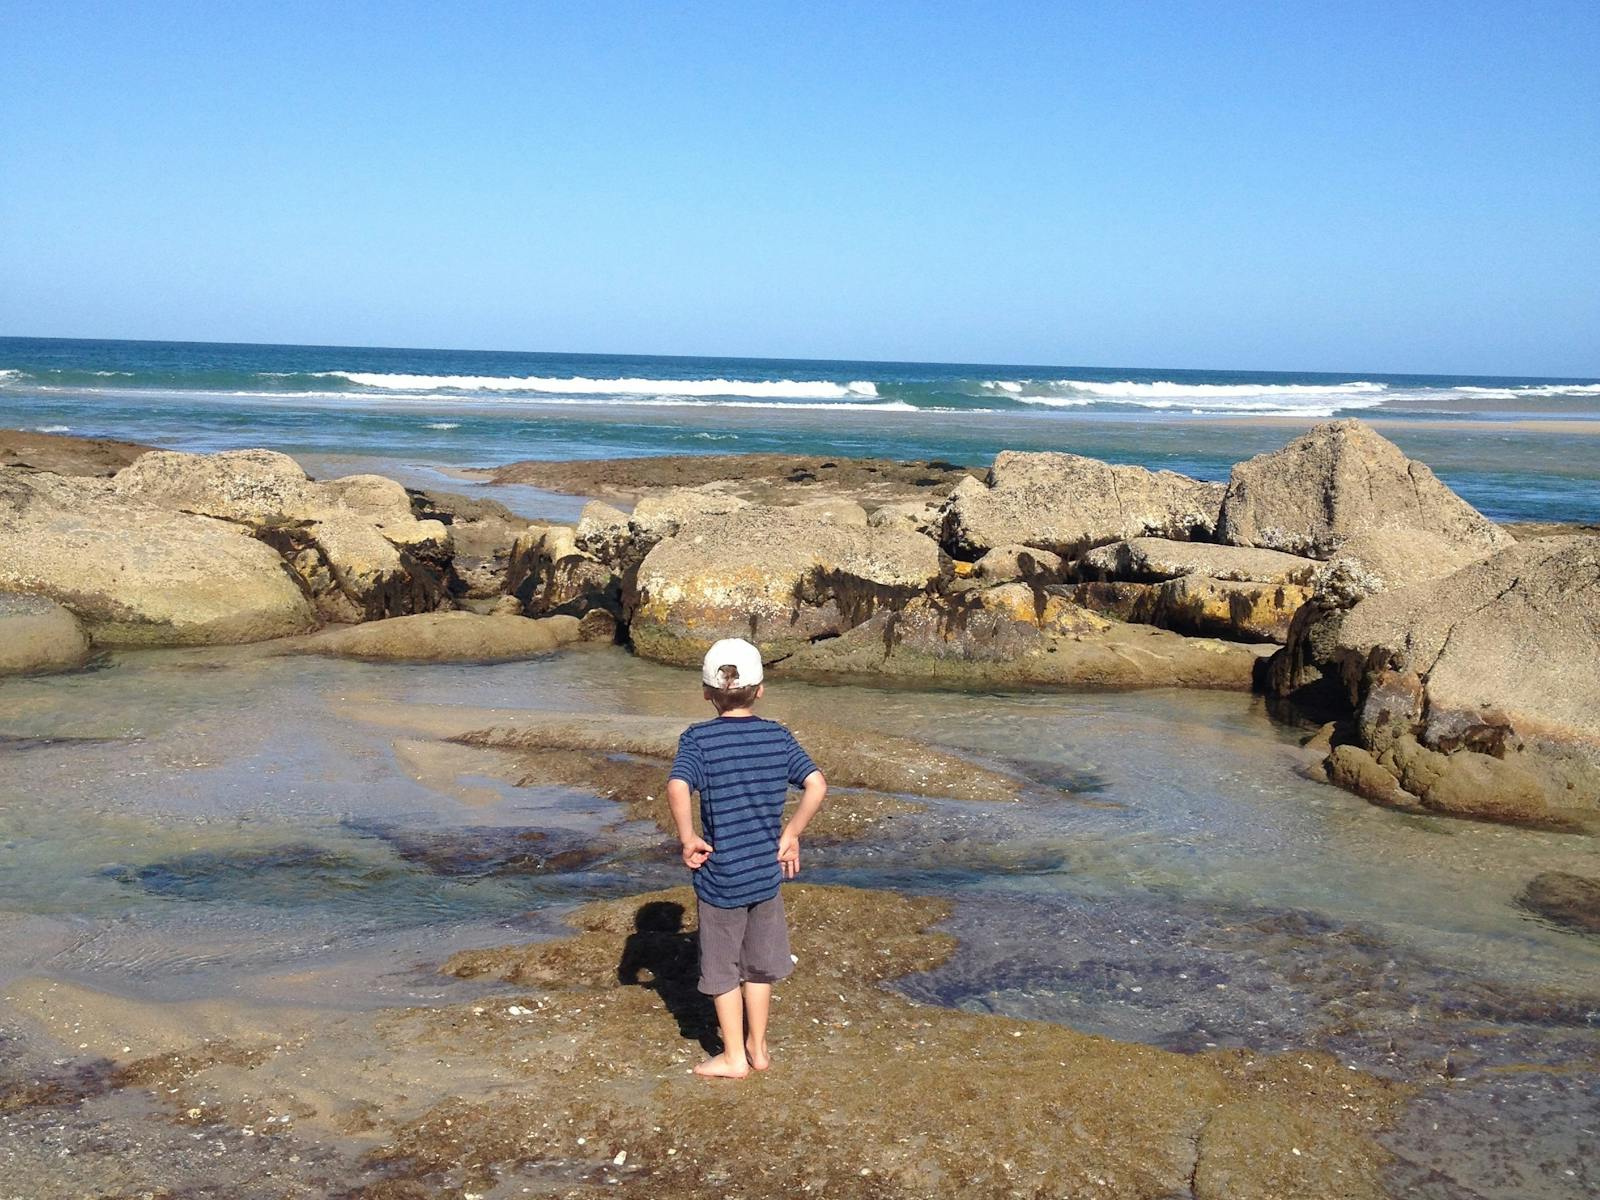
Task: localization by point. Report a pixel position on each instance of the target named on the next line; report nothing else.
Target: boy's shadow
(659, 954)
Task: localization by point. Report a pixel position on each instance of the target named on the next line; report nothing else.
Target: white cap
(737, 653)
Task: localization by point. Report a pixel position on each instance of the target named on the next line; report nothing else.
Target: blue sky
(1335, 186)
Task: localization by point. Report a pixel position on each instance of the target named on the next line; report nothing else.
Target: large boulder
(1489, 671)
(1343, 491)
(1015, 636)
(38, 635)
(1065, 503)
(442, 637)
(138, 574)
(355, 542)
(781, 577)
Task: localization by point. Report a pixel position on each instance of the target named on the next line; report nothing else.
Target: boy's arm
(695, 849)
(813, 791)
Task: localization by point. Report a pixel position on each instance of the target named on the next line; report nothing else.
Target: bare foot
(723, 1067)
(757, 1056)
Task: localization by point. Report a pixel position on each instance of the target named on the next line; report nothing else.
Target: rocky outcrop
(442, 637)
(355, 544)
(482, 533)
(1155, 560)
(549, 575)
(773, 479)
(61, 454)
(38, 635)
(780, 576)
(1477, 694)
(1012, 636)
(138, 574)
(1065, 503)
(1197, 588)
(1343, 491)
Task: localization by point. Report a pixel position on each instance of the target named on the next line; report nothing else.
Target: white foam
(444, 425)
(799, 389)
(52, 428)
(9, 373)
(1254, 399)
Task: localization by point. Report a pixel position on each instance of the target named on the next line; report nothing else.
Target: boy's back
(743, 768)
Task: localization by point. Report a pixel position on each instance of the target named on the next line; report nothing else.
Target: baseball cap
(737, 653)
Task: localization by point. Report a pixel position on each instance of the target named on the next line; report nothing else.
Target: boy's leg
(732, 1062)
(764, 960)
(721, 936)
(757, 1003)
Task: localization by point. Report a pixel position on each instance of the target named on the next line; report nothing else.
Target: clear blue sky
(1340, 186)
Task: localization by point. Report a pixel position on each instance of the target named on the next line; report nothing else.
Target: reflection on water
(193, 821)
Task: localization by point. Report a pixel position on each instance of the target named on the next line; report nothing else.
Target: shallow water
(182, 823)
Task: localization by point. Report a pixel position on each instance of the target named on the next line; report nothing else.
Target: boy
(742, 766)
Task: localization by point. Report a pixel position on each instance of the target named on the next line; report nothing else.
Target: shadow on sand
(660, 954)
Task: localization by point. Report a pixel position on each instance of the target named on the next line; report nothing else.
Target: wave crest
(777, 389)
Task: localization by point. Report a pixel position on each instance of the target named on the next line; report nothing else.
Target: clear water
(1519, 449)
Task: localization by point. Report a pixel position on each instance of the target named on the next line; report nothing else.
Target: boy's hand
(695, 852)
(789, 855)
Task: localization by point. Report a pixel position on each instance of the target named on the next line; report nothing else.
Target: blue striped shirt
(742, 767)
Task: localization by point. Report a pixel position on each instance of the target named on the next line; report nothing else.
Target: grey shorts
(749, 944)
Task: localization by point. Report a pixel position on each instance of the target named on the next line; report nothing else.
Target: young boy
(742, 766)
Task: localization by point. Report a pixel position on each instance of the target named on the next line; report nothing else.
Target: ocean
(1517, 448)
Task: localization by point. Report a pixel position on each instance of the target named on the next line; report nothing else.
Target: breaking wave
(793, 389)
(1256, 399)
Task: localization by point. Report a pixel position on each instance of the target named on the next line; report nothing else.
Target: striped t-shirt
(742, 767)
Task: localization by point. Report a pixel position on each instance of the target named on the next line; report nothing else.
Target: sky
(1297, 186)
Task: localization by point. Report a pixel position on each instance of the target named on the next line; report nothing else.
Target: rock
(1013, 636)
(1238, 611)
(915, 516)
(775, 479)
(1005, 564)
(779, 576)
(1342, 490)
(621, 540)
(442, 637)
(137, 574)
(38, 635)
(1065, 503)
(1155, 560)
(549, 575)
(1241, 611)
(1477, 692)
(1566, 899)
(354, 542)
(62, 455)
(482, 532)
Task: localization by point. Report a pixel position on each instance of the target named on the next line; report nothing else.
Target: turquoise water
(1519, 458)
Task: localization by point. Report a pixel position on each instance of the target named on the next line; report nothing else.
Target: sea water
(1518, 448)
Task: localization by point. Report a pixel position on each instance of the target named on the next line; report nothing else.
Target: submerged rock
(138, 574)
(1566, 899)
(1343, 490)
(442, 637)
(1065, 503)
(38, 635)
(778, 576)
